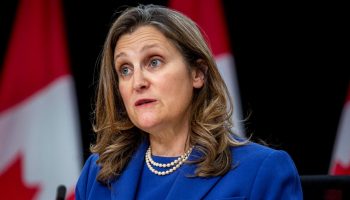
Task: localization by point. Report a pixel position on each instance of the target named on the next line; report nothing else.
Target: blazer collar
(125, 187)
(184, 187)
(187, 187)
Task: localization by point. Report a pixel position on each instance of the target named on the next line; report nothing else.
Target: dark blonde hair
(118, 138)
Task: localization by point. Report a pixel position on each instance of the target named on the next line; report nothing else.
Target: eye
(154, 63)
(125, 70)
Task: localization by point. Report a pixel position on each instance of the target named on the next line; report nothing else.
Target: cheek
(178, 89)
(123, 94)
(126, 101)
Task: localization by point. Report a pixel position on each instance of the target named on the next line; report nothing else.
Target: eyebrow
(144, 48)
(119, 55)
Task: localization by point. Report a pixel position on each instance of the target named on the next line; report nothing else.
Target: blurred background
(290, 64)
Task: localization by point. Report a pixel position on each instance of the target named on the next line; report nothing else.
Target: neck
(171, 139)
(170, 144)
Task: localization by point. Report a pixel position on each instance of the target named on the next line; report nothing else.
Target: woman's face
(155, 82)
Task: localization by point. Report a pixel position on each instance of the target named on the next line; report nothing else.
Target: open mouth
(144, 101)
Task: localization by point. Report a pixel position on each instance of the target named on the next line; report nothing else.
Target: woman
(163, 121)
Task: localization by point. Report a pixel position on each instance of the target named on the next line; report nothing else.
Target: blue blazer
(259, 173)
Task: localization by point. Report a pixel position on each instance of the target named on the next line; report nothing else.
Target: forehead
(143, 35)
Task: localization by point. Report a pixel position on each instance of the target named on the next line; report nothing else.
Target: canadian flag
(209, 15)
(39, 132)
(340, 164)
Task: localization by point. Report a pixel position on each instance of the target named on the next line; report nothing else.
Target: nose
(140, 81)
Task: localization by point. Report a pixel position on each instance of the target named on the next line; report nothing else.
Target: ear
(198, 74)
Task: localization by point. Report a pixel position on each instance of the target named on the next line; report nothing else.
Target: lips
(144, 102)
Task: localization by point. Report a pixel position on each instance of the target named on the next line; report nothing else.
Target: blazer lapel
(125, 187)
(186, 187)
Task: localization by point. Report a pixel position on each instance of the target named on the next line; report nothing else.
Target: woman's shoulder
(254, 152)
(91, 168)
(92, 158)
(87, 178)
(252, 147)
(265, 170)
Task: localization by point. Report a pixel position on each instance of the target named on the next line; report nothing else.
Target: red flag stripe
(25, 69)
(213, 23)
(37, 108)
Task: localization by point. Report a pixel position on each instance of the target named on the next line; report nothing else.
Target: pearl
(174, 164)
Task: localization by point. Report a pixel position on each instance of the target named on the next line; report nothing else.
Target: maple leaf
(13, 185)
(71, 196)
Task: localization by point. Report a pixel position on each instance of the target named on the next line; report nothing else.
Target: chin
(147, 125)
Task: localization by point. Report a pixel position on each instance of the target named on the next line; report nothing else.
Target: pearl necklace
(174, 164)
